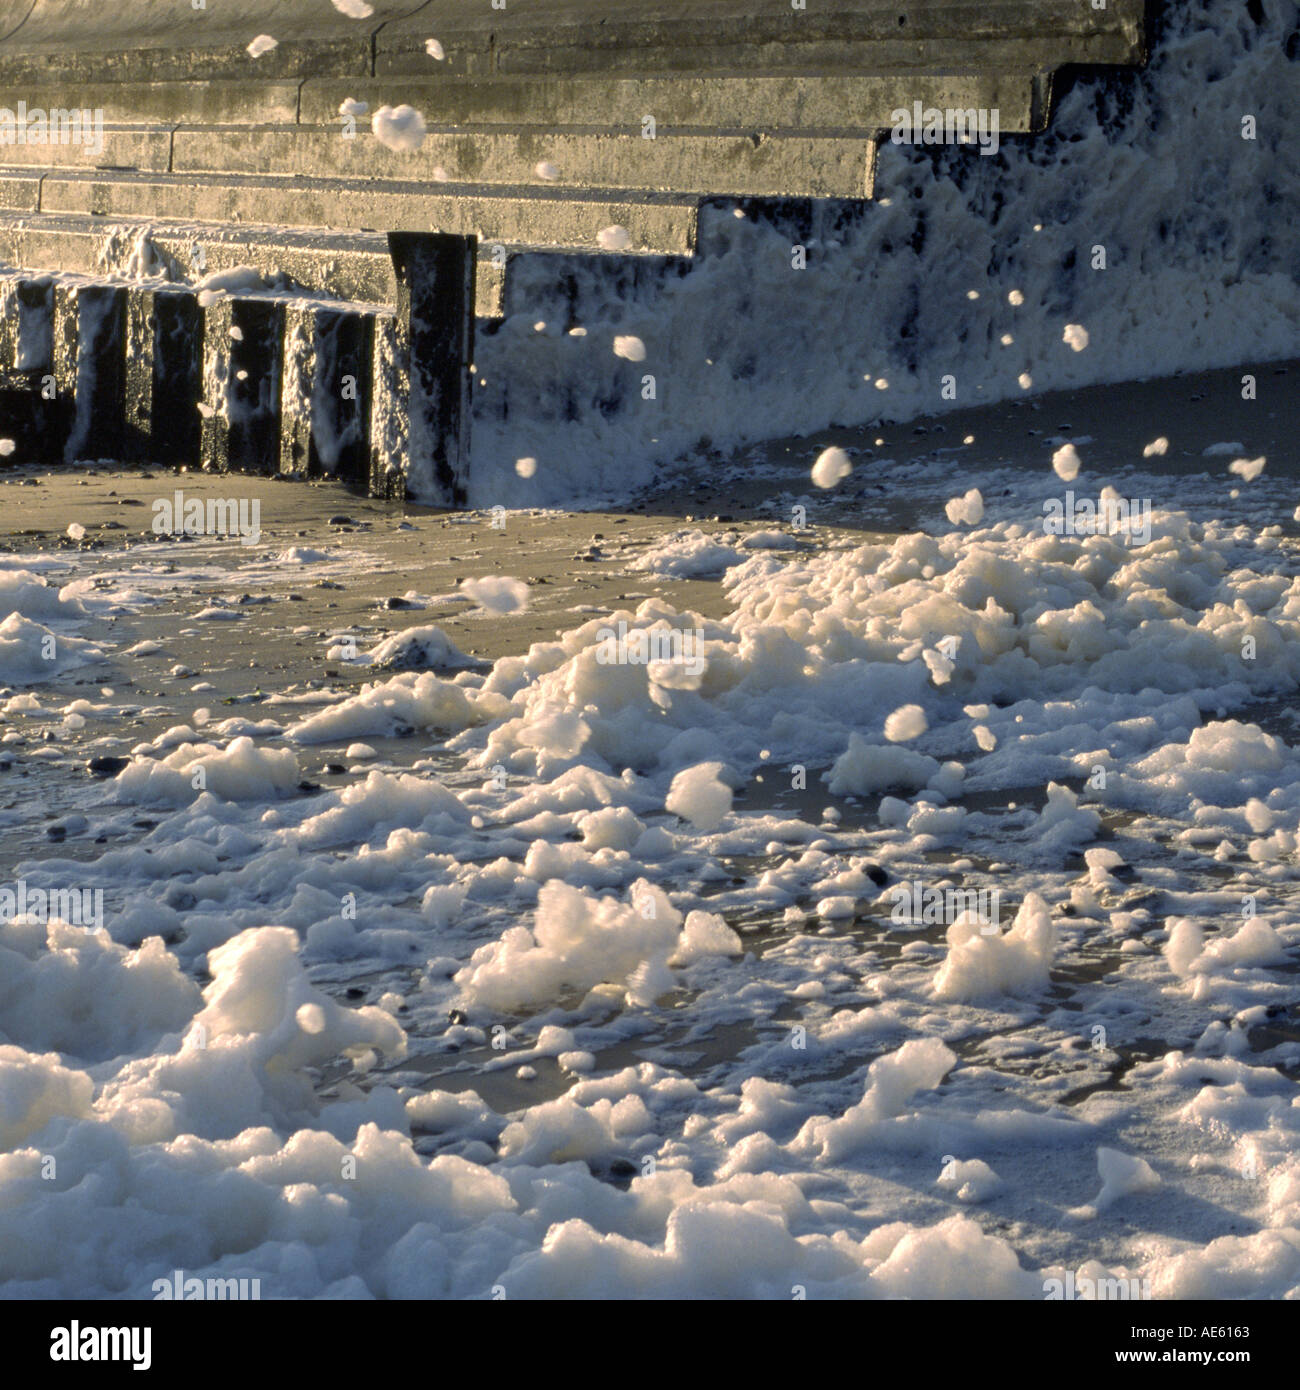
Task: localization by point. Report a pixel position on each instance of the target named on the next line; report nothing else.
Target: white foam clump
(971, 1180)
(245, 1057)
(982, 964)
(526, 467)
(350, 106)
(687, 554)
(699, 795)
(1254, 944)
(238, 279)
(302, 555)
(1076, 336)
(578, 942)
(770, 540)
(1066, 463)
(240, 772)
(1121, 1176)
(263, 43)
(864, 769)
(382, 803)
(544, 169)
(31, 653)
(614, 238)
(1063, 823)
(355, 9)
(1247, 469)
(434, 49)
(629, 347)
(906, 722)
(966, 510)
(25, 592)
(1221, 762)
(562, 1130)
(400, 128)
(417, 648)
(498, 593)
(705, 935)
(1157, 448)
(832, 466)
(892, 1082)
(386, 709)
(74, 991)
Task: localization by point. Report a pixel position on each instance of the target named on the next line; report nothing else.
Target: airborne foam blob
(906, 722)
(498, 593)
(630, 347)
(263, 43)
(1076, 336)
(967, 510)
(355, 9)
(435, 50)
(1158, 448)
(398, 127)
(832, 466)
(1066, 463)
(1247, 469)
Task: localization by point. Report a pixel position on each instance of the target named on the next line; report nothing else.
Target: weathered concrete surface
(160, 38)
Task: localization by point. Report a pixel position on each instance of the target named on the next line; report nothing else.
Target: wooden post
(164, 376)
(422, 361)
(242, 344)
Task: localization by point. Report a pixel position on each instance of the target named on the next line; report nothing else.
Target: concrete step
(698, 162)
(355, 267)
(89, 40)
(108, 147)
(552, 216)
(683, 162)
(716, 102)
(844, 104)
(348, 266)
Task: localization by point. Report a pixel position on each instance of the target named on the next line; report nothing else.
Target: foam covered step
(700, 162)
(564, 217)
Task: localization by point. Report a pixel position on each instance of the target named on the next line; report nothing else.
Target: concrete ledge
(160, 38)
(696, 163)
(536, 217)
